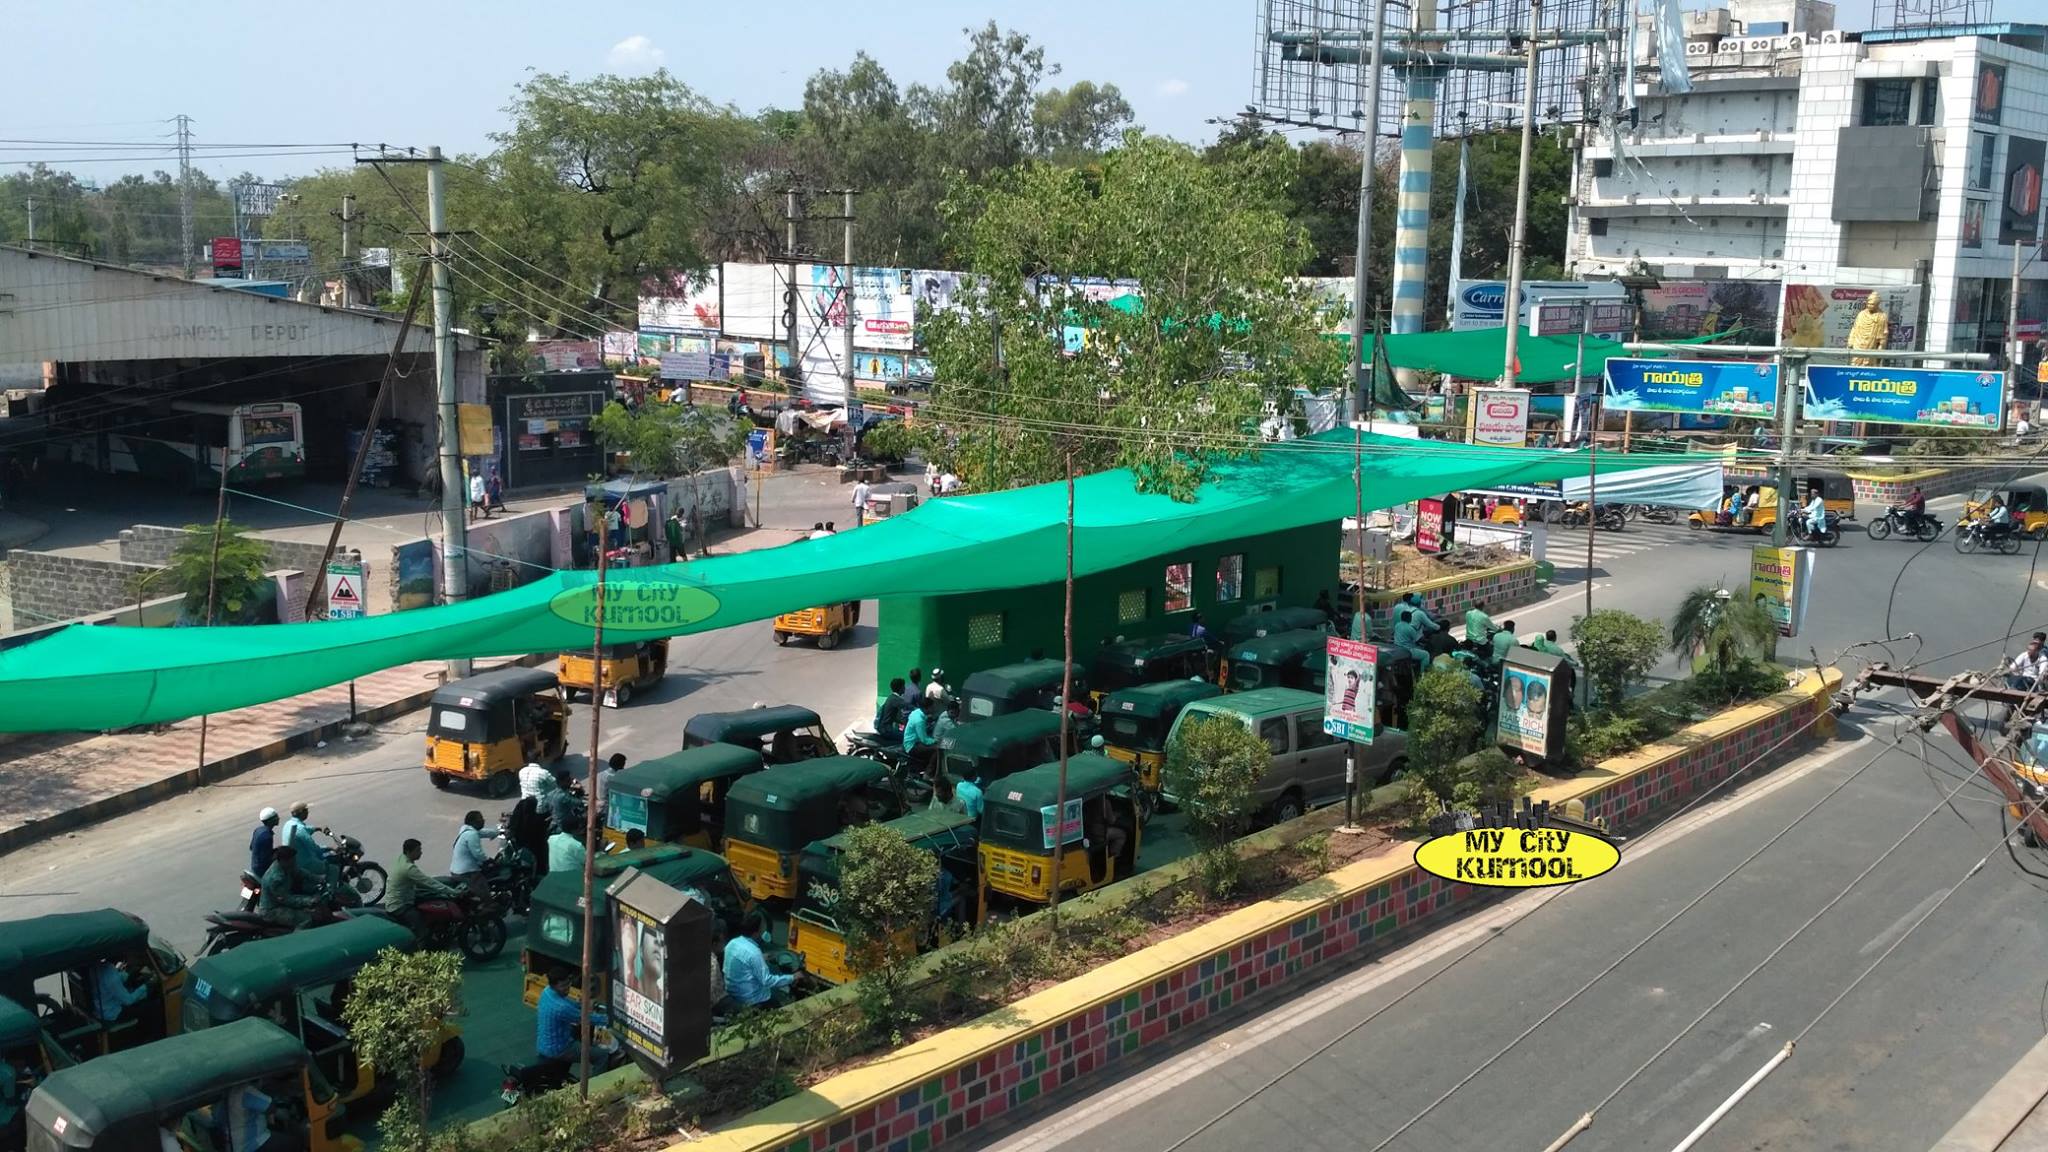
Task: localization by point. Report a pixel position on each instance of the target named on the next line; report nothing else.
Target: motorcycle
(865, 743)
(522, 1080)
(236, 927)
(1826, 535)
(1606, 517)
(1896, 520)
(463, 923)
(1650, 513)
(510, 877)
(364, 877)
(1977, 534)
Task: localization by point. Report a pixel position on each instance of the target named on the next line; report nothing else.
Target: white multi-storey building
(1808, 155)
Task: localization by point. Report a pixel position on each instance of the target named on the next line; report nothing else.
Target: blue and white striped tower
(1411, 207)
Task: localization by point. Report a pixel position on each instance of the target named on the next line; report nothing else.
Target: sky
(441, 71)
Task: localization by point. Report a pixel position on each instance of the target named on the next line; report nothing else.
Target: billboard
(686, 365)
(1821, 315)
(661, 972)
(680, 302)
(939, 289)
(226, 252)
(1348, 703)
(1948, 399)
(568, 355)
(1483, 303)
(750, 301)
(1718, 387)
(1432, 526)
(1682, 309)
(1500, 416)
(885, 304)
(1522, 721)
(2019, 218)
(1989, 102)
(1778, 580)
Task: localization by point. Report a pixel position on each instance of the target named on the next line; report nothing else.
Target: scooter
(1826, 535)
(522, 1080)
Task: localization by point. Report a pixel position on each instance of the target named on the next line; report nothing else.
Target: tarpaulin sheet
(1481, 354)
(111, 677)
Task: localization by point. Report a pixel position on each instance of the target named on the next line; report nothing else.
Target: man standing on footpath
(860, 502)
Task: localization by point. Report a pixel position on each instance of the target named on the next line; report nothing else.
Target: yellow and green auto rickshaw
(72, 946)
(771, 815)
(2027, 502)
(783, 733)
(193, 1087)
(1018, 831)
(1009, 688)
(828, 625)
(28, 1055)
(486, 728)
(678, 798)
(1000, 746)
(554, 924)
(628, 668)
(1254, 625)
(1275, 660)
(814, 929)
(301, 981)
(1835, 489)
(1147, 660)
(1135, 722)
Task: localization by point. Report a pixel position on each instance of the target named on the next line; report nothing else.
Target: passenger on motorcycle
(890, 717)
(1503, 641)
(287, 896)
(1478, 625)
(406, 884)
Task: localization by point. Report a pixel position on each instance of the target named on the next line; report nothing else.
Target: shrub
(1444, 725)
(394, 1013)
(885, 897)
(1725, 635)
(234, 576)
(1212, 767)
(1617, 649)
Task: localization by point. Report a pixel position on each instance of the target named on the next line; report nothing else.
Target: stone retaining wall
(1505, 587)
(43, 588)
(953, 1083)
(153, 544)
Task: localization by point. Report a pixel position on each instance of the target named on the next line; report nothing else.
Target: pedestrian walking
(860, 502)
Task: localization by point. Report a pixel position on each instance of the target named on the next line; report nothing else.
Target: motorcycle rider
(299, 834)
(1816, 513)
(406, 884)
(2000, 520)
(1479, 627)
(1915, 508)
(288, 894)
(466, 865)
(263, 842)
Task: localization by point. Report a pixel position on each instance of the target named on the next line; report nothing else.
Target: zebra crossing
(1566, 547)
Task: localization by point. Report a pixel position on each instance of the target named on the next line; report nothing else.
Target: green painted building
(968, 632)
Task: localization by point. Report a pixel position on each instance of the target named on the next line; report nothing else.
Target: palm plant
(1721, 632)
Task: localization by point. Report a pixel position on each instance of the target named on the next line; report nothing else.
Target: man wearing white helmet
(263, 842)
(935, 688)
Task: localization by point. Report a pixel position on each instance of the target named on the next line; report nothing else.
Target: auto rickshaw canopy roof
(932, 831)
(1005, 681)
(979, 739)
(2035, 495)
(1253, 624)
(117, 1101)
(102, 677)
(61, 941)
(787, 787)
(672, 864)
(18, 1025)
(237, 983)
(487, 688)
(665, 776)
(1156, 701)
(1137, 652)
(1276, 647)
(1034, 788)
(750, 723)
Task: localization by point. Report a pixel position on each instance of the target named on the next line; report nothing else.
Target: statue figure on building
(1872, 330)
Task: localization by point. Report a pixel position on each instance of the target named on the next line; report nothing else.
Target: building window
(1130, 605)
(1603, 167)
(1596, 226)
(1973, 223)
(1977, 171)
(985, 631)
(1180, 587)
(1230, 578)
(1266, 583)
(1887, 102)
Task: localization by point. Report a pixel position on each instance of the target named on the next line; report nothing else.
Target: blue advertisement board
(1948, 399)
(1712, 387)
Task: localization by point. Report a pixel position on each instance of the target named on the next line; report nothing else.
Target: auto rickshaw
(771, 815)
(2028, 502)
(193, 1087)
(1147, 660)
(1000, 746)
(1135, 722)
(554, 924)
(1253, 625)
(1009, 688)
(486, 728)
(678, 798)
(1017, 845)
(28, 1055)
(783, 733)
(829, 624)
(1394, 674)
(1275, 660)
(628, 668)
(73, 945)
(1835, 488)
(815, 934)
(301, 981)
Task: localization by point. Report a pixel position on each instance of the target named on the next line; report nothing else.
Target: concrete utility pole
(348, 204)
(454, 494)
(1512, 306)
(185, 192)
(790, 296)
(32, 222)
(2015, 351)
(846, 285)
(1361, 282)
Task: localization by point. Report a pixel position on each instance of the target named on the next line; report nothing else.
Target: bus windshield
(269, 429)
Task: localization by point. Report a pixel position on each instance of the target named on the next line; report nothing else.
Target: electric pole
(348, 203)
(1512, 306)
(846, 283)
(1361, 282)
(32, 222)
(454, 529)
(185, 191)
(2015, 351)
(789, 292)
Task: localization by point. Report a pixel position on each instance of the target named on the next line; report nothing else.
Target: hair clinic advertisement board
(661, 972)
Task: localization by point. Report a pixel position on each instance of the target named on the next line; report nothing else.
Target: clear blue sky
(440, 71)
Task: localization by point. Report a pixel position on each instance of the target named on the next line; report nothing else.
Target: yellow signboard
(1777, 580)
(474, 421)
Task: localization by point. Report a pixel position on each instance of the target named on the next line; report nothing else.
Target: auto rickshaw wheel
(2038, 532)
(828, 641)
(452, 1052)
(440, 781)
(1695, 523)
(781, 638)
(622, 694)
(501, 785)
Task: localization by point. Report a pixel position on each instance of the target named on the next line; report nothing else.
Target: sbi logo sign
(1484, 297)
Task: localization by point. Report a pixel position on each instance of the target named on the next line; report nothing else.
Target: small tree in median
(1725, 635)
(887, 893)
(394, 1013)
(1618, 649)
(1444, 725)
(1212, 768)
(663, 440)
(235, 575)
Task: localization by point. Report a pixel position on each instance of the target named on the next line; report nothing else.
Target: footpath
(55, 782)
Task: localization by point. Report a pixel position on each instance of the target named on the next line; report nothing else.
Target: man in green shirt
(1478, 625)
(1504, 641)
(1548, 643)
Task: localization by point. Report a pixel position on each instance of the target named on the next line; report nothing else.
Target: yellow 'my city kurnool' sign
(1517, 857)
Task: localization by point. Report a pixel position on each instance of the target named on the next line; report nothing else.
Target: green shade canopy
(1481, 354)
(105, 677)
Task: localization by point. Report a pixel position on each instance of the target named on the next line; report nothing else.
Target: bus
(195, 440)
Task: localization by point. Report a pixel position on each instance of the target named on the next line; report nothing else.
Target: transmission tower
(185, 191)
(1903, 14)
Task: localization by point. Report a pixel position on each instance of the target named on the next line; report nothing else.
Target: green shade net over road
(1481, 354)
(94, 678)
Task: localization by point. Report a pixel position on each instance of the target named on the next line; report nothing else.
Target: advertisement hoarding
(473, 430)
(1483, 303)
(1718, 387)
(885, 304)
(686, 365)
(1683, 309)
(1349, 699)
(681, 303)
(2019, 216)
(661, 972)
(1432, 525)
(568, 355)
(1821, 315)
(1553, 317)
(1948, 399)
(1779, 579)
(1500, 416)
(750, 302)
(1522, 720)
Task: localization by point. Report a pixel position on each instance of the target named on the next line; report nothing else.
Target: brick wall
(43, 587)
(1503, 588)
(1886, 491)
(152, 544)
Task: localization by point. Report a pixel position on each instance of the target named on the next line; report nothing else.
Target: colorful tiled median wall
(952, 1083)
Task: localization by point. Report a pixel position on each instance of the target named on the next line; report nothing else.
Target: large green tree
(1160, 387)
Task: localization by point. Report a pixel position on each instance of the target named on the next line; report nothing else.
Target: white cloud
(1173, 87)
(635, 54)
